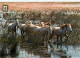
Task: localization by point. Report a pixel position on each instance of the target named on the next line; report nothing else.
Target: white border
(39, 0)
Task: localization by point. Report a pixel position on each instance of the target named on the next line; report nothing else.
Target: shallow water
(58, 52)
(66, 52)
(25, 54)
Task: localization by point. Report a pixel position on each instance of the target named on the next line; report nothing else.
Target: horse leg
(8, 33)
(51, 37)
(66, 37)
(14, 33)
(57, 39)
(61, 39)
(21, 32)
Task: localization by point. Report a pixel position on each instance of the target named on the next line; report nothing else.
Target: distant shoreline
(26, 6)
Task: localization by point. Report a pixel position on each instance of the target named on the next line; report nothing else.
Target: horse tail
(51, 34)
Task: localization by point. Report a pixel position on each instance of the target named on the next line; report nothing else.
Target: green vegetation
(8, 45)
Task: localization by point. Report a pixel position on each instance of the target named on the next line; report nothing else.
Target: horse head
(66, 27)
(69, 27)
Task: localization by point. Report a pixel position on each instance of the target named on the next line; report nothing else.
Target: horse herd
(28, 27)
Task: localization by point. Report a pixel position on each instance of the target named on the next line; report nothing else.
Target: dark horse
(61, 31)
(24, 26)
(12, 27)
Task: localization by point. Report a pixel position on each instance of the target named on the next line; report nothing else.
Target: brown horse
(61, 31)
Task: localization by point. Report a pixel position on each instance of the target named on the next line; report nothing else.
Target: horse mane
(44, 24)
(63, 25)
(48, 23)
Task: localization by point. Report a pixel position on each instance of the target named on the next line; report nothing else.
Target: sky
(39, 0)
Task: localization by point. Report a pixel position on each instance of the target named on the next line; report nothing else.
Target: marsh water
(57, 52)
(69, 52)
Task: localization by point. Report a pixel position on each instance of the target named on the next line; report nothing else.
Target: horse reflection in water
(60, 31)
(12, 27)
